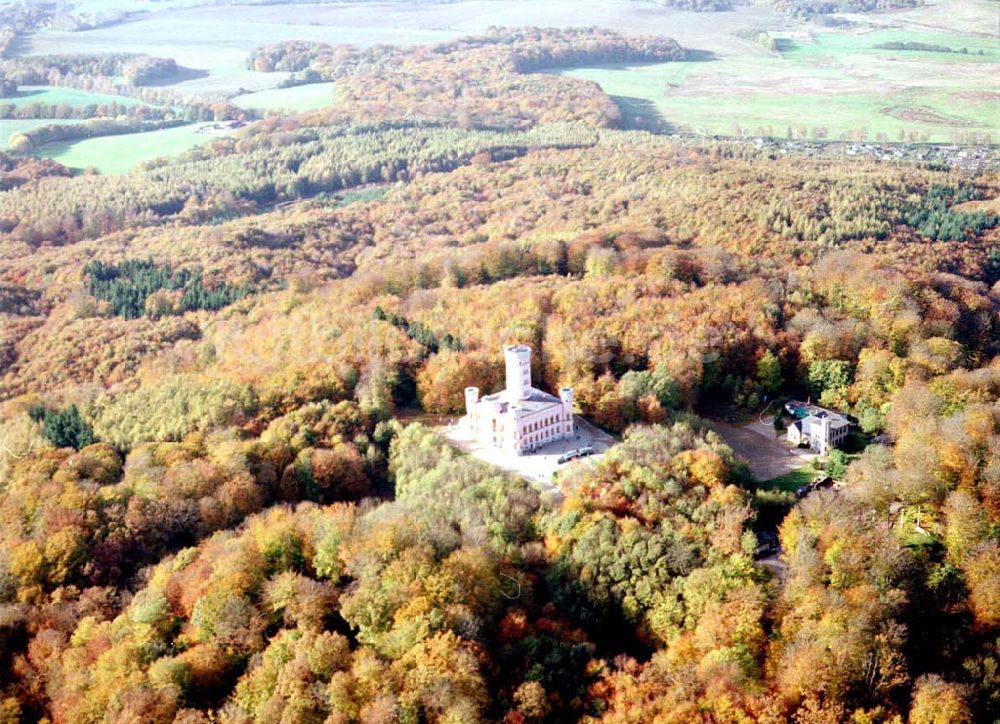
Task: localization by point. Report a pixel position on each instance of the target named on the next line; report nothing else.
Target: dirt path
(776, 566)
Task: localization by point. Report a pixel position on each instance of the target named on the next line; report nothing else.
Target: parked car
(585, 451)
(566, 457)
(767, 544)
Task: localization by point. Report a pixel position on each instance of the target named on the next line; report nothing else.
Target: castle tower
(471, 398)
(566, 395)
(518, 361)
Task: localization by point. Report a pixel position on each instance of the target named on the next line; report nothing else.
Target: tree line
(134, 69)
(23, 143)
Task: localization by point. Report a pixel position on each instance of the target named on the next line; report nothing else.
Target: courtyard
(540, 466)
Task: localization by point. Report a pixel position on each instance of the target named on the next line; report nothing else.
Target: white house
(821, 431)
(520, 418)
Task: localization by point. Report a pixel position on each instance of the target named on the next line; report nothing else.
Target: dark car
(767, 544)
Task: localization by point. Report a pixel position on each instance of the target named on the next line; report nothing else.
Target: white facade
(520, 418)
(821, 431)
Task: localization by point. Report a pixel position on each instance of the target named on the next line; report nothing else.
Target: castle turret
(566, 395)
(518, 360)
(471, 398)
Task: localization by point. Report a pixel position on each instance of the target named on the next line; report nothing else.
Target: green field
(296, 98)
(118, 154)
(838, 44)
(10, 127)
(52, 95)
(837, 82)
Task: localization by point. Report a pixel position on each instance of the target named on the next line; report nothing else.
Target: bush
(836, 464)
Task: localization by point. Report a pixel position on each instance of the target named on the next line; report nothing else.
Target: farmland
(822, 84)
(118, 154)
(213, 43)
(48, 95)
(694, 97)
(296, 98)
(812, 82)
(10, 127)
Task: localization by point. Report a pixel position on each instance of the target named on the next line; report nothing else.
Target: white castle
(520, 418)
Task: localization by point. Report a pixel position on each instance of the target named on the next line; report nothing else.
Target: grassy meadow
(119, 154)
(11, 126)
(52, 95)
(110, 154)
(296, 98)
(837, 82)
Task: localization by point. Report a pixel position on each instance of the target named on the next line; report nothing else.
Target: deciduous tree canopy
(212, 507)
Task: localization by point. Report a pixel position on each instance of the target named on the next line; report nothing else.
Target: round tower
(471, 398)
(566, 395)
(518, 362)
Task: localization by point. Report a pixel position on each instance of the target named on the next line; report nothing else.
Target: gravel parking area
(767, 455)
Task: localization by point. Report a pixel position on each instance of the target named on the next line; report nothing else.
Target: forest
(222, 498)
(481, 82)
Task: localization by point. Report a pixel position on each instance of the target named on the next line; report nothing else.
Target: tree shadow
(28, 93)
(180, 76)
(697, 55)
(641, 114)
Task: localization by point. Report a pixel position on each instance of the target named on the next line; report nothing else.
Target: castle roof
(535, 402)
